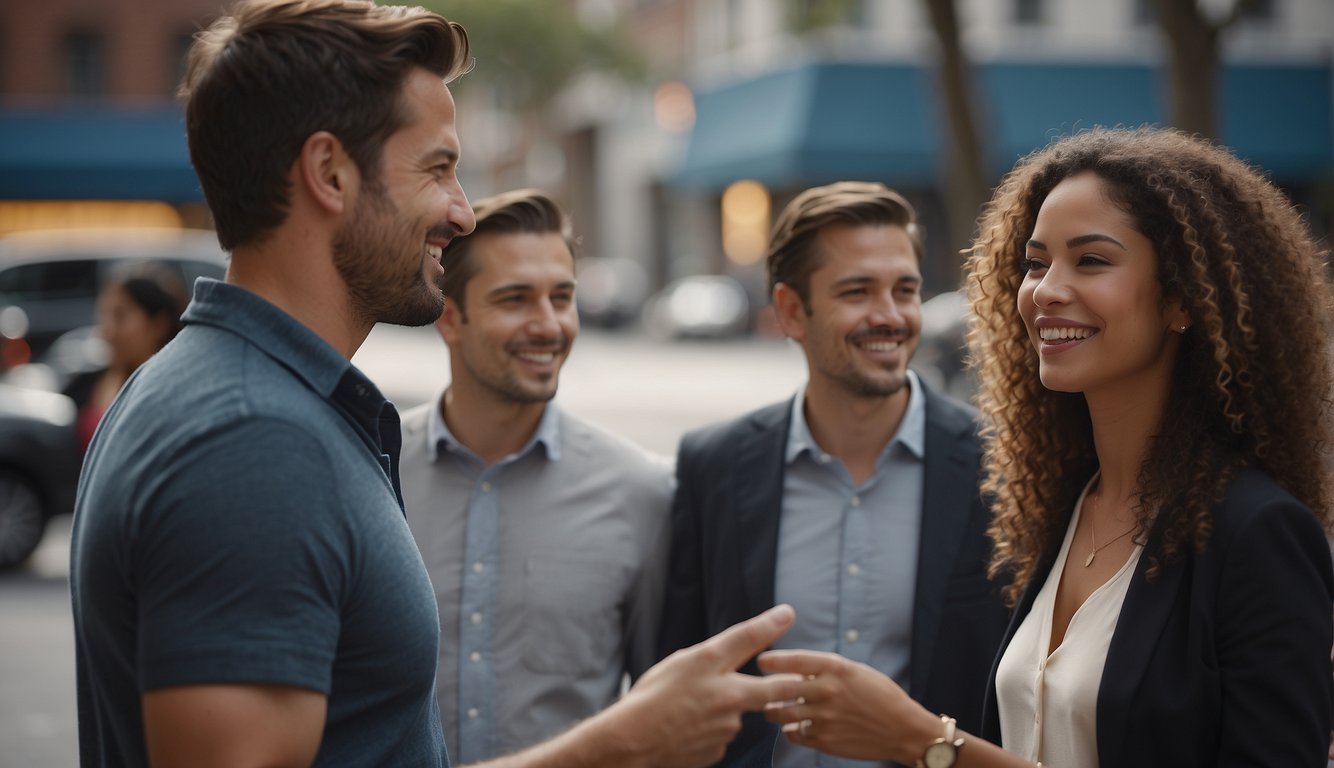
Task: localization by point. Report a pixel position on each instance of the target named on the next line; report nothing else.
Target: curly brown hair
(1252, 386)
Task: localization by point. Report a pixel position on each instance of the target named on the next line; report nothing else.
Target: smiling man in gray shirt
(545, 537)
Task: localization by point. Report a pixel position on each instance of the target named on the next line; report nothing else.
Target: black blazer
(1223, 659)
(725, 543)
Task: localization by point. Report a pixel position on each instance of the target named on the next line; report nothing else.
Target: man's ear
(790, 310)
(447, 325)
(326, 173)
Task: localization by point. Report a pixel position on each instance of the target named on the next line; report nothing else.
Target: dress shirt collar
(911, 433)
(439, 440)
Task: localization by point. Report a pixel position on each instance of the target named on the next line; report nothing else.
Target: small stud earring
(1182, 329)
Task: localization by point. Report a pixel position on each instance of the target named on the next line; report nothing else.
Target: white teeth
(537, 357)
(880, 346)
(435, 251)
(1064, 334)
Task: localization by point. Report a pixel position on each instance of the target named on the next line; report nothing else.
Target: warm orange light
(17, 215)
(745, 216)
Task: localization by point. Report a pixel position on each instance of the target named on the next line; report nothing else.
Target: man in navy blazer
(858, 500)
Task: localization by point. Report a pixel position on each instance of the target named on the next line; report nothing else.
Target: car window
(74, 279)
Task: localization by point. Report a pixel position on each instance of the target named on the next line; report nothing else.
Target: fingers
(798, 662)
(786, 712)
(756, 693)
(739, 642)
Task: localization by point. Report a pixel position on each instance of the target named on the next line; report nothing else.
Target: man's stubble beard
(367, 255)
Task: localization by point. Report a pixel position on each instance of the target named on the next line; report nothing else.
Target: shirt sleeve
(1274, 637)
(240, 563)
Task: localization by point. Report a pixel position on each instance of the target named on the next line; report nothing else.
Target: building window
(806, 15)
(1028, 11)
(85, 64)
(1146, 11)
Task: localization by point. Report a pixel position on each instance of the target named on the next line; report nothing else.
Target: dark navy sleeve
(241, 563)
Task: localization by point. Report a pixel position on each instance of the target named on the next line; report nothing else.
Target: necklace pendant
(1089, 561)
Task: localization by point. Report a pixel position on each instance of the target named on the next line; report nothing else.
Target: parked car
(700, 306)
(942, 352)
(39, 467)
(54, 276)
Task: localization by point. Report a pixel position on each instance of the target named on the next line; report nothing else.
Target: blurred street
(649, 391)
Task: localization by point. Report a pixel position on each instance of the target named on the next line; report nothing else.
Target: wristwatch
(944, 751)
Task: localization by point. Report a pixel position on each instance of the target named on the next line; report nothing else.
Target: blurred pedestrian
(138, 312)
(545, 537)
(245, 587)
(857, 501)
(1152, 326)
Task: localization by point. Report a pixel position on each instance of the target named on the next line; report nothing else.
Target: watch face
(942, 754)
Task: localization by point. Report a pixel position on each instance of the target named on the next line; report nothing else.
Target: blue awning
(821, 122)
(96, 154)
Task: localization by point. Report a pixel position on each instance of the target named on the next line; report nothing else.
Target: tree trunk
(967, 185)
(1193, 66)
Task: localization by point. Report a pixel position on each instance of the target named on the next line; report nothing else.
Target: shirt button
(852, 635)
(477, 567)
(825, 458)
(856, 501)
(474, 657)
(486, 487)
(476, 618)
(854, 569)
(472, 713)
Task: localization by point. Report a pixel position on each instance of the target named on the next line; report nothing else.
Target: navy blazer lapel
(950, 486)
(757, 496)
(1144, 616)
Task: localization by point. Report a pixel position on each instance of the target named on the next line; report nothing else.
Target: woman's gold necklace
(1096, 549)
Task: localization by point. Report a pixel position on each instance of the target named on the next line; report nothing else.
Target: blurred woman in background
(138, 312)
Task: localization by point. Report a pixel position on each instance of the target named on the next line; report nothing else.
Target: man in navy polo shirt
(245, 587)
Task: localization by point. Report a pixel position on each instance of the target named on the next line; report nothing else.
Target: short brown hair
(792, 257)
(260, 81)
(521, 211)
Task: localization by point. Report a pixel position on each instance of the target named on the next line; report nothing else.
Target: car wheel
(21, 519)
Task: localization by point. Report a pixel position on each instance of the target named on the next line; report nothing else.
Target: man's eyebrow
(510, 288)
(853, 280)
(441, 153)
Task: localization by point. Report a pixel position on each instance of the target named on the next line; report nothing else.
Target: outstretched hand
(846, 708)
(686, 709)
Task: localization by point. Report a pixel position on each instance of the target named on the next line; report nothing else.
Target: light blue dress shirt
(479, 581)
(548, 568)
(847, 554)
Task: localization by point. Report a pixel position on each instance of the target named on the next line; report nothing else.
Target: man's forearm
(600, 740)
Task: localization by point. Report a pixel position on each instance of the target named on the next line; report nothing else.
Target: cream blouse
(1049, 703)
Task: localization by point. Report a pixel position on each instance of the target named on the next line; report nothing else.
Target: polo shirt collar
(911, 433)
(291, 344)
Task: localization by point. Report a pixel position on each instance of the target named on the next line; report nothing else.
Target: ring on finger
(804, 727)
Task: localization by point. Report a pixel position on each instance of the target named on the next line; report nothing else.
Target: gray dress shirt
(548, 569)
(847, 554)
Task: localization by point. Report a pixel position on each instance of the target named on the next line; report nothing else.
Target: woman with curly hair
(1151, 325)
